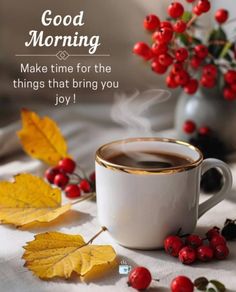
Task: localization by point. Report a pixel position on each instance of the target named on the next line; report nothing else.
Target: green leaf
(186, 16)
(183, 38)
(201, 283)
(220, 287)
(226, 49)
(196, 40)
(211, 290)
(217, 35)
(228, 57)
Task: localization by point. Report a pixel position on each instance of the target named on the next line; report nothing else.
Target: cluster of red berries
(193, 248)
(140, 279)
(166, 53)
(61, 174)
(230, 88)
(189, 127)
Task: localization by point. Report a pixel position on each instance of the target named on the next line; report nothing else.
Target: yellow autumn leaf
(24, 216)
(28, 191)
(29, 199)
(41, 138)
(57, 254)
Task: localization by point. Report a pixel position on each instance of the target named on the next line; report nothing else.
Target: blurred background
(119, 24)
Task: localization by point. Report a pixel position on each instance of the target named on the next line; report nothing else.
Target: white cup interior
(160, 145)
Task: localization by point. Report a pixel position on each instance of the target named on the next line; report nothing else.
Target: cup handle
(219, 196)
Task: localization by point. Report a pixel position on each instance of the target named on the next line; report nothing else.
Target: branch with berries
(190, 248)
(140, 278)
(64, 176)
(190, 63)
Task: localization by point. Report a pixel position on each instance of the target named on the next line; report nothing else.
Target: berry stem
(88, 197)
(179, 231)
(82, 172)
(192, 20)
(77, 175)
(96, 235)
(184, 235)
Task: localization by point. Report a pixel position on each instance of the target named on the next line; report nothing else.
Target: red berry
(182, 284)
(72, 191)
(221, 252)
(195, 62)
(201, 51)
(141, 49)
(187, 255)
(197, 11)
(155, 36)
(85, 186)
(217, 240)
(166, 24)
(229, 94)
(177, 67)
(208, 82)
(151, 22)
(230, 77)
(140, 278)
(189, 127)
(61, 180)
(194, 241)
(182, 78)
(212, 232)
(180, 26)
(204, 131)
(173, 244)
(51, 173)
(170, 81)
(205, 253)
(204, 5)
(159, 49)
(181, 54)
(221, 15)
(191, 87)
(233, 87)
(175, 10)
(92, 177)
(165, 59)
(210, 71)
(67, 165)
(158, 68)
(164, 35)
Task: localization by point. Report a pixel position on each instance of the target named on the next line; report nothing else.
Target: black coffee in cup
(148, 160)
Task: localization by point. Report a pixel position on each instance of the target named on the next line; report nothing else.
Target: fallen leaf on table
(28, 191)
(29, 199)
(99, 272)
(55, 254)
(41, 138)
(24, 216)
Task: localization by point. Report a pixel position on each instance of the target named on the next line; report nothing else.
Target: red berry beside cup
(195, 248)
(182, 284)
(140, 278)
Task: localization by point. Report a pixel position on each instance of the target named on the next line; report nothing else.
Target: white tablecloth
(85, 133)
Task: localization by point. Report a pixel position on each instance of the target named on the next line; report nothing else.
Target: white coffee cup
(141, 207)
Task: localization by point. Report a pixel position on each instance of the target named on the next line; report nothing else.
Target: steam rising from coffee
(133, 114)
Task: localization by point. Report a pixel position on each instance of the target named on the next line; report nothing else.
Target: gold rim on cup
(133, 170)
